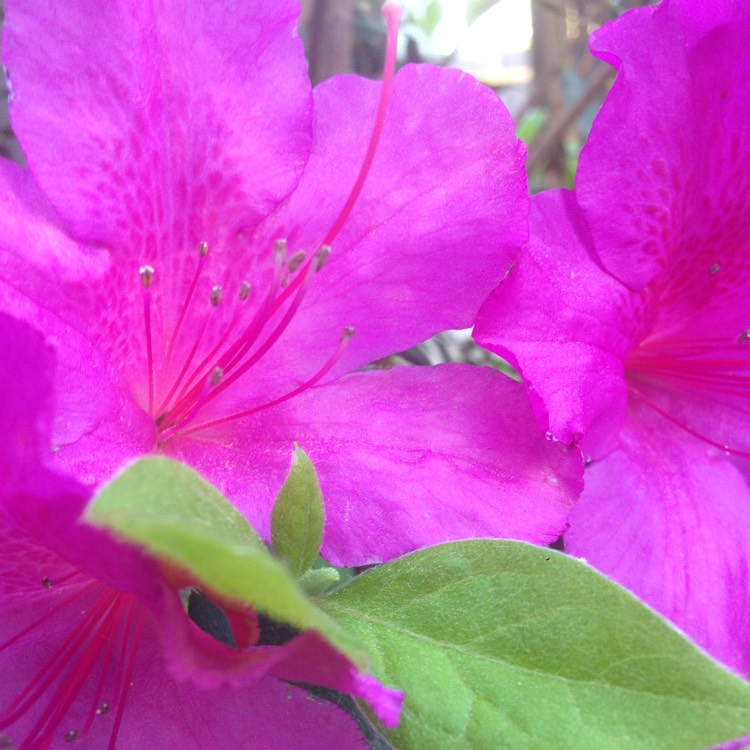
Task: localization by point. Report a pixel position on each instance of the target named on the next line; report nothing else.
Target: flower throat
(245, 339)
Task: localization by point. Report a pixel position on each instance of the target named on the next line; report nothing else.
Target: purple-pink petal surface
(628, 315)
(380, 479)
(88, 623)
(149, 132)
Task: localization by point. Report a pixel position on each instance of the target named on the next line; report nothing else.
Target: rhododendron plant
(211, 247)
(628, 316)
(95, 644)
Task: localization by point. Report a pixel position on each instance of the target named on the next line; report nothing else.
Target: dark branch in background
(9, 148)
(543, 148)
(330, 44)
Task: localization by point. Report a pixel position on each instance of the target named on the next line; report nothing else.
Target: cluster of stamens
(103, 645)
(238, 348)
(713, 365)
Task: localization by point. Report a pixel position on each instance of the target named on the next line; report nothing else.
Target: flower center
(209, 368)
(98, 655)
(698, 367)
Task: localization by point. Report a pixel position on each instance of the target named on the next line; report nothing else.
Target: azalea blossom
(95, 645)
(211, 247)
(628, 316)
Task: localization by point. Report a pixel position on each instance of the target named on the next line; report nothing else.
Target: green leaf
(319, 580)
(298, 516)
(168, 509)
(504, 645)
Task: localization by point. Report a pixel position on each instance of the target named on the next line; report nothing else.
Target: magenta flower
(653, 369)
(172, 237)
(96, 647)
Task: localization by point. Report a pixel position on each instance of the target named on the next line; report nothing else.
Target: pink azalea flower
(650, 362)
(96, 647)
(171, 237)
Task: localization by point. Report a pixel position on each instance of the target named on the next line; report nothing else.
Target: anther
(203, 249)
(46, 583)
(714, 269)
(215, 295)
(322, 256)
(147, 275)
(279, 251)
(347, 333)
(103, 709)
(244, 291)
(744, 336)
(72, 736)
(216, 375)
(296, 260)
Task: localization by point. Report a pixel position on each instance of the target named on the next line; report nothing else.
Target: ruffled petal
(195, 656)
(661, 179)
(441, 217)
(669, 518)
(152, 130)
(406, 458)
(156, 710)
(82, 655)
(97, 425)
(566, 325)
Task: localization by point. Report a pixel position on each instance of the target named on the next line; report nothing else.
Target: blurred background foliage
(534, 53)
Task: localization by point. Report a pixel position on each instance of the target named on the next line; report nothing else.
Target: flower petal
(97, 424)
(157, 711)
(660, 176)
(669, 518)
(194, 656)
(406, 458)
(566, 325)
(440, 219)
(153, 130)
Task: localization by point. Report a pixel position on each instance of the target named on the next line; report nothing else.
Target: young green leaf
(298, 516)
(504, 645)
(177, 516)
(319, 580)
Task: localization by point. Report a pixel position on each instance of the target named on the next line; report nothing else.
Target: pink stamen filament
(135, 641)
(272, 338)
(212, 381)
(202, 254)
(106, 662)
(91, 643)
(147, 275)
(193, 395)
(244, 293)
(47, 615)
(40, 683)
(164, 407)
(345, 339)
(648, 402)
(689, 364)
(192, 390)
(392, 15)
(69, 690)
(237, 350)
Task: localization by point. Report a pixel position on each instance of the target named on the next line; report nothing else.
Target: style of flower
(96, 648)
(200, 236)
(628, 316)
